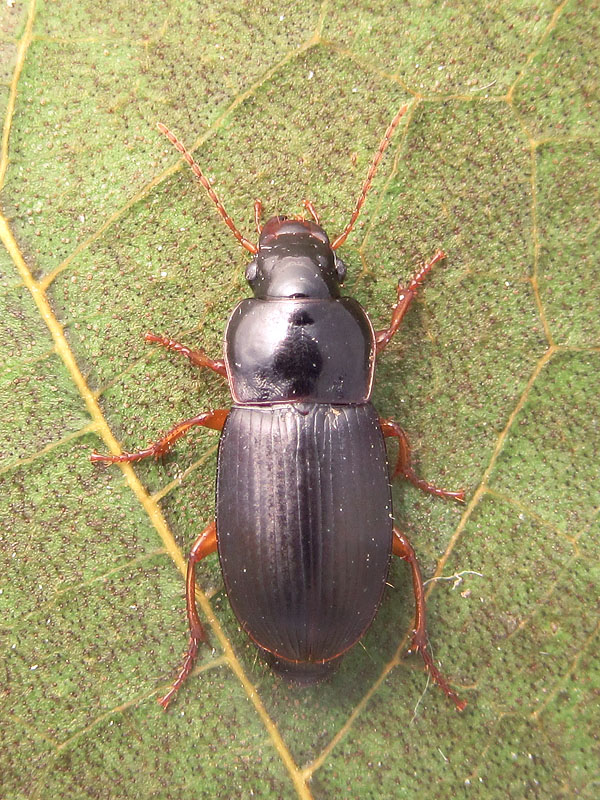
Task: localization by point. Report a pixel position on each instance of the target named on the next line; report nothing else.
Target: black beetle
(304, 526)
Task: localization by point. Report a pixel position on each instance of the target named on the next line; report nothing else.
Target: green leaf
(106, 234)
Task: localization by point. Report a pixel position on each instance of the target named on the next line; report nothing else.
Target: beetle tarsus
(402, 548)
(186, 668)
(197, 357)
(404, 463)
(409, 474)
(405, 296)
(417, 279)
(419, 645)
(99, 458)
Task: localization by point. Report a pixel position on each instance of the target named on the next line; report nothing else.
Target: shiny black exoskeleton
(297, 339)
(304, 515)
(303, 523)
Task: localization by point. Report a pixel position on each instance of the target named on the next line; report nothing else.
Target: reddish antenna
(211, 192)
(370, 175)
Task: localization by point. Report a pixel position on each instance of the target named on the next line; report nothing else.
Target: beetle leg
(404, 464)
(209, 419)
(197, 357)
(204, 545)
(405, 298)
(402, 547)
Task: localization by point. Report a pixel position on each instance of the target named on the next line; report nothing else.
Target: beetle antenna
(252, 248)
(370, 175)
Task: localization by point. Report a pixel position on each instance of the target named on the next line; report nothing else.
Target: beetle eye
(251, 270)
(340, 269)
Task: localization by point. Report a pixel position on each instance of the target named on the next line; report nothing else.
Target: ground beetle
(304, 526)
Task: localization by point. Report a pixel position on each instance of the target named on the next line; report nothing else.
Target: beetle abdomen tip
(303, 673)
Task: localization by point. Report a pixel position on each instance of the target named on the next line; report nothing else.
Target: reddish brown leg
(404, 465)
(209, 419)
(405, 298)
(197, 357)
(403, 549)
(204, 545)
(258, 215)
(311, 210)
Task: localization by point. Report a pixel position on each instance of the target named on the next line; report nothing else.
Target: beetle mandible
(303, 524)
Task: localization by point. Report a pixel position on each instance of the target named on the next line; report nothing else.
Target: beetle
(304, 526)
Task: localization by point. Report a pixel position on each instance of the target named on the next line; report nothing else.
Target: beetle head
(294, 259)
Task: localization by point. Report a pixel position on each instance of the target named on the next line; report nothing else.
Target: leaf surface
(106, 234)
